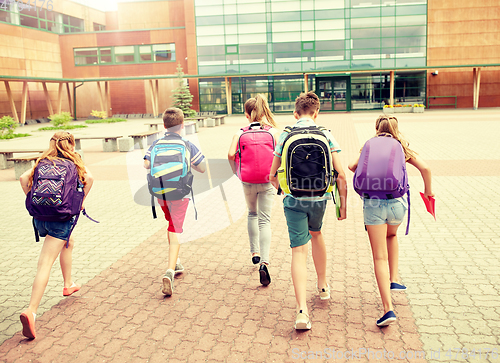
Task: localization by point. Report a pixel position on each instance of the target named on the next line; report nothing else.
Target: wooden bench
(23, 163)
(141, 137)
(5, 155)
(109, 143)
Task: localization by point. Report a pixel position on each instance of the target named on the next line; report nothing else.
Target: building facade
(230, 50)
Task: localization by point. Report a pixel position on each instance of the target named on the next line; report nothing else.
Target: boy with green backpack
(169, 161)
(307, 164)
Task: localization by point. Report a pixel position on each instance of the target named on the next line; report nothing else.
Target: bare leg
(393, 252)
(299, 275)
(377, 235)
(173, 249)
(319, 257)
(50, 250)
(66, 262)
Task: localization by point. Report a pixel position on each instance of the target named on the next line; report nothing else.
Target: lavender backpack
(56, 194)
(381, 171)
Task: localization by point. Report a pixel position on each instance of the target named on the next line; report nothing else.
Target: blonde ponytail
(258, 110)
(389, 125)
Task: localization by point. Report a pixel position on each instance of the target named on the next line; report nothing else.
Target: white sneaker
(168, 283)
(324, 293)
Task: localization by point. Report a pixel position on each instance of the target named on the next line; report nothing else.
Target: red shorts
(175, 212)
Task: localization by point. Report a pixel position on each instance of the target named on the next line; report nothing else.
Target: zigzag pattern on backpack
(52, 170)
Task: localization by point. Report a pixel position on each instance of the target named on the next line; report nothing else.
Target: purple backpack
(56, 194)
(381, 171)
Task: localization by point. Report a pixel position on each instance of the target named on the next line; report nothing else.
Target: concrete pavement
(219, 311)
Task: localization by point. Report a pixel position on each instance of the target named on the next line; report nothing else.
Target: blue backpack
(170, 176)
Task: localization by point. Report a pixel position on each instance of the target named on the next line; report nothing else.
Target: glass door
(324, 92)
(340, 94)
(334, 93)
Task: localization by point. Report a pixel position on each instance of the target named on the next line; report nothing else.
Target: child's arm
(147, 164)
(89, 181)
(201, 167)
(353, 165)
(24, 180)
(425, 171)
(342, 185)
(232, 152)
(272, 173)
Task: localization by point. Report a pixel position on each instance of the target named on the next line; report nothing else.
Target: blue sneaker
(397, 287)
(388, 318)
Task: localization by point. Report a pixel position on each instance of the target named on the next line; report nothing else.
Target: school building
(59, 55)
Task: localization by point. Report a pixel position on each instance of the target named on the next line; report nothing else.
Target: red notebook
(429, 204)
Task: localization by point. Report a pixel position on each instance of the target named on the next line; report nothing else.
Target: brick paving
(219, 311)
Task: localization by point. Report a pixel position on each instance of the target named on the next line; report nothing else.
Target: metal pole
(74, 98)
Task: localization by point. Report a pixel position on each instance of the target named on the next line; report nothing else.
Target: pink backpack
(254, 154)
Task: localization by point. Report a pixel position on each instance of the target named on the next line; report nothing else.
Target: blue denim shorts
(383, 211)
(54, 229)
(303, 216)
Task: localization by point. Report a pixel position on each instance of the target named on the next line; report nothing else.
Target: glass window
(164, 52)
(329, 45)
(286, 47)
(86, 56)
(328, 14)
(231, 49)
(411, 20)
(209, 20)
(411, 10)
(307, 46)
(365, 12)
(211, 50)
(287, 16)
(251, 18)
(28, 21)
(145, 54)
(210, 30)
(105, 55)
(252, 49)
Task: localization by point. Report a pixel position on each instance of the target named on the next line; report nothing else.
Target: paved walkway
(219, 311)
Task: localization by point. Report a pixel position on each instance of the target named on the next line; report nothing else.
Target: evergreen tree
(181, 95)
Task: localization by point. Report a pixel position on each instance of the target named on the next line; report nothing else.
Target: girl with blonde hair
(56, 243)
(259, 196)
(382, 218)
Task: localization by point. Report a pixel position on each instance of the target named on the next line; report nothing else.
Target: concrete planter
(388, 110)
(418, 109)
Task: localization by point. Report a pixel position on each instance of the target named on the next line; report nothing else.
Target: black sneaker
(255, 259)
(265, 279)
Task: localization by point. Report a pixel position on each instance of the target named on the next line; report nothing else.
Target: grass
(105, 121)
(13, 136)
(69, 127)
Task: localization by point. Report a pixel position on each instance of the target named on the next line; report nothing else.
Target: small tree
(182, 97)
(7, 127)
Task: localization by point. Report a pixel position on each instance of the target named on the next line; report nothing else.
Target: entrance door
(334, 93)
(324, 92)
(340, 94)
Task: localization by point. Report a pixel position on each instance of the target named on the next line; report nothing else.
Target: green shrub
(7, 127)
(68, 127)
(60, 119)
